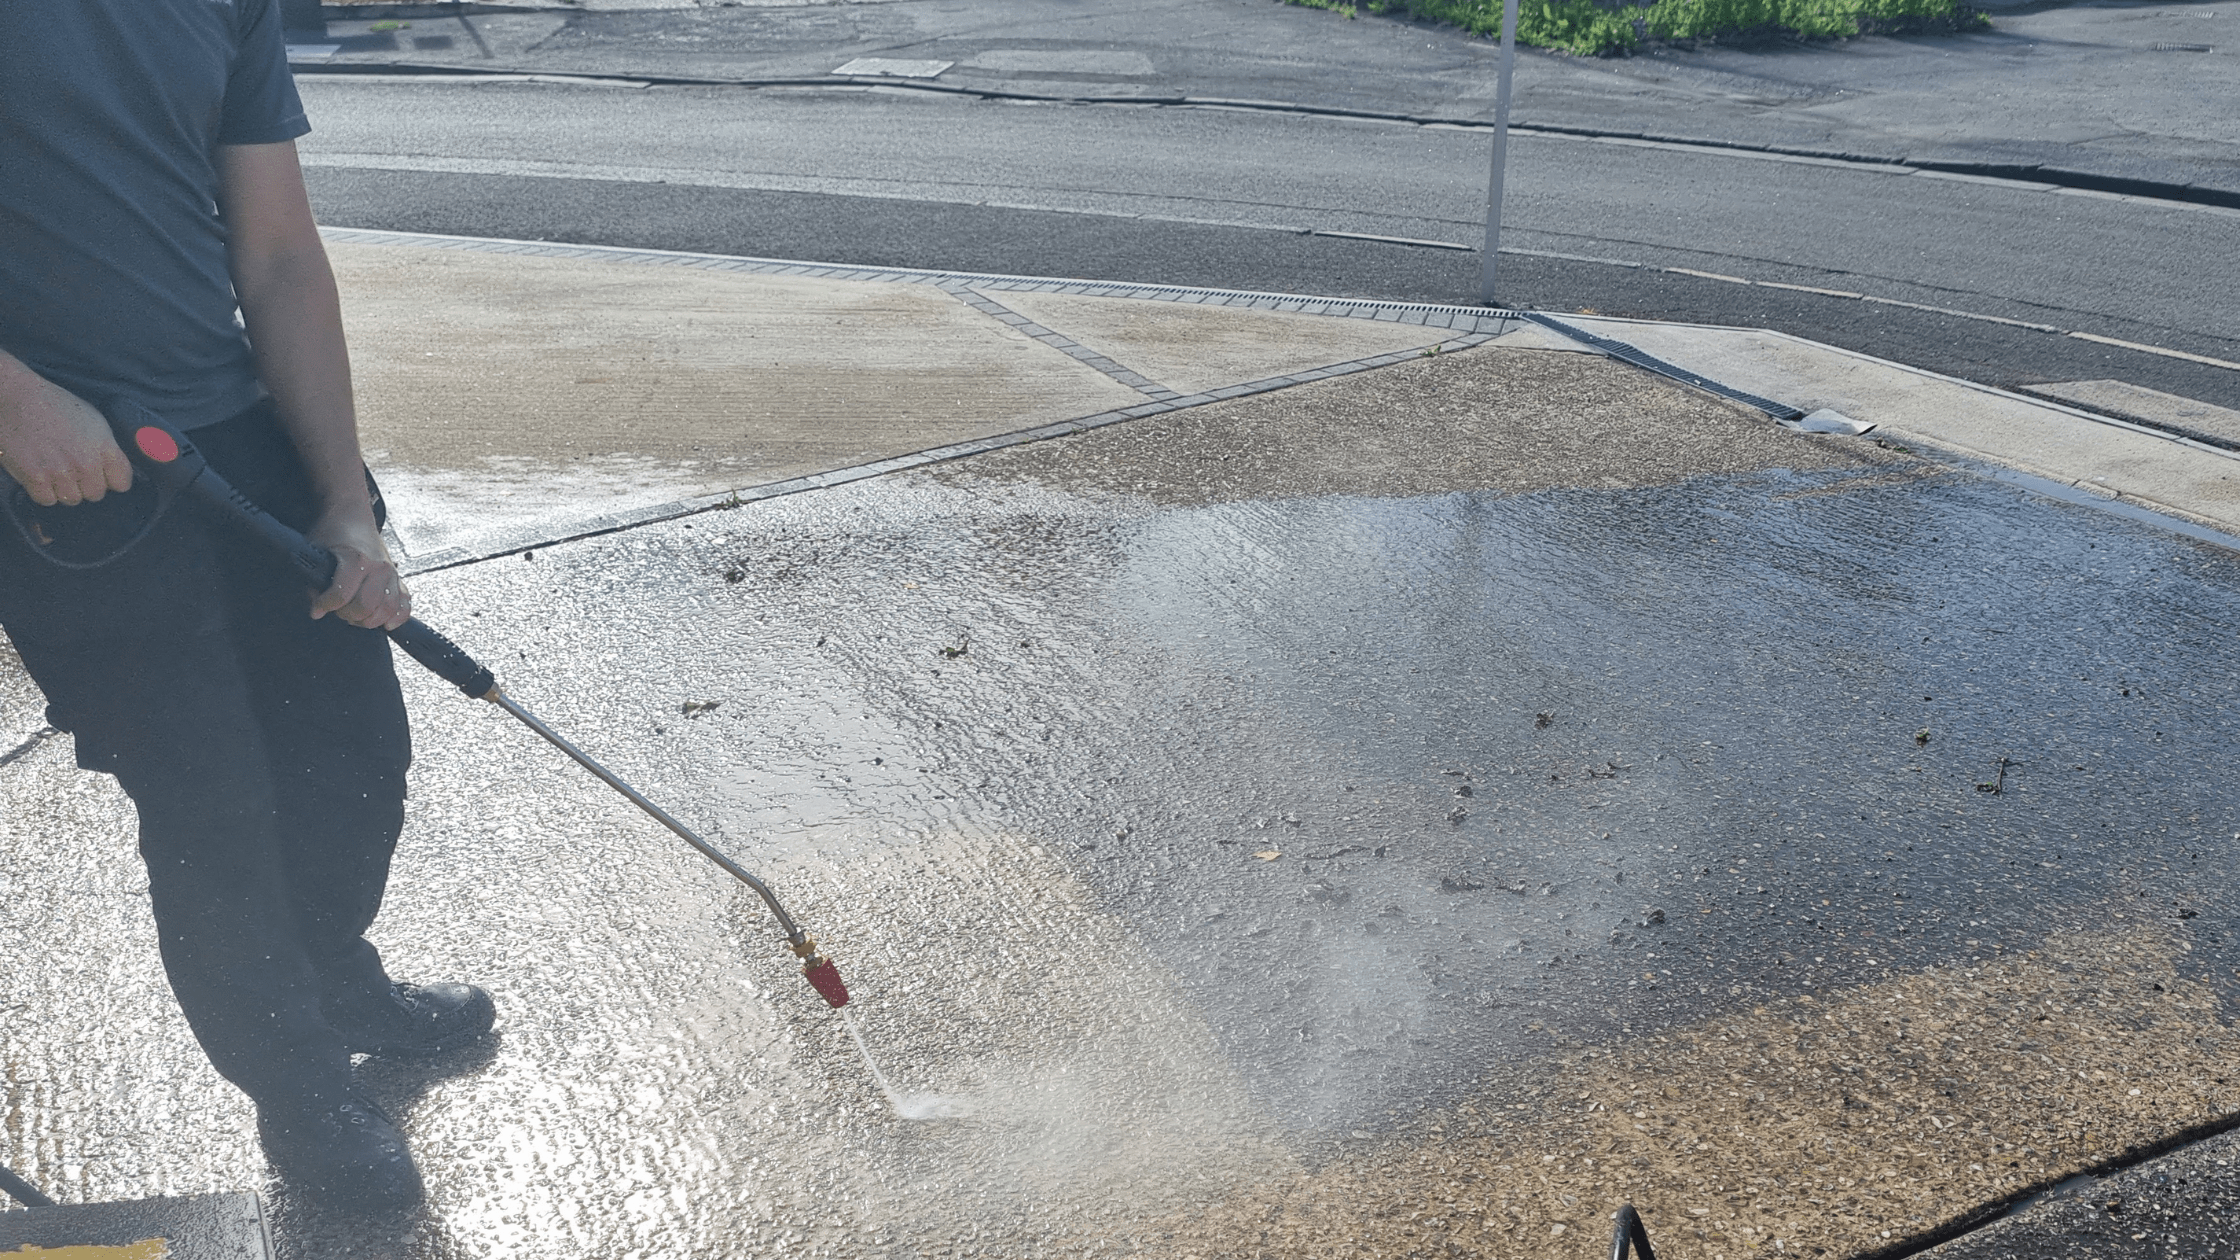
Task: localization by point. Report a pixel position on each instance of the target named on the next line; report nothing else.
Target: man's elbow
(273, 268)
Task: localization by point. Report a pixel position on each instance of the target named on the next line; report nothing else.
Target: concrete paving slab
(1819, 1126)
(2112, 459)
(515, 391)
(2146, 406)
(496, 386)
(1517, 420)
(1176, 345)
(1401, 814)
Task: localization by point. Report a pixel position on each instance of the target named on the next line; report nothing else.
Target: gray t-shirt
(113, 277)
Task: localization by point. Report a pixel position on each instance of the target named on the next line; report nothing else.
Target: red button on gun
(155, 444)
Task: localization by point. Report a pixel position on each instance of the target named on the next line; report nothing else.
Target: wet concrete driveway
(1403, 815)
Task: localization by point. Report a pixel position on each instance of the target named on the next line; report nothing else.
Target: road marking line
(1946, 310)
(1590, 258)
(1806, 288)
(2227, 364)
(1911, 306)
(1978, 316)
(1393, 240)
(1705, 275)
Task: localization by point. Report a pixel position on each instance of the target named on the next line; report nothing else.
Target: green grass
(1588, 29)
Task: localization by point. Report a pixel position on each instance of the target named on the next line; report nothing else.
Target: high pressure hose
(22, 1191)
(169, 460)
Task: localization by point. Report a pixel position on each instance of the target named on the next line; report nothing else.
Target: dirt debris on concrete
(1833, 1125)
(1508, 419)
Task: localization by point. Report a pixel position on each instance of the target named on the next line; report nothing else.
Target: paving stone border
(1134, 380)
(1469, 326)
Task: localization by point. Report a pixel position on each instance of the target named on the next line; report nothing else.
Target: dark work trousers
(265, 752)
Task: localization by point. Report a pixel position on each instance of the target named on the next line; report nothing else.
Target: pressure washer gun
(165, 456)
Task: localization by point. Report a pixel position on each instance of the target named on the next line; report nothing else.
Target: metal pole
(659, 815)
(1500, 150)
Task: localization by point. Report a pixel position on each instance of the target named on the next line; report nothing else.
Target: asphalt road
(2130, 91)
(1230, 198)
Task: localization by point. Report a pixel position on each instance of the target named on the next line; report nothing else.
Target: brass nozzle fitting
(805, 949)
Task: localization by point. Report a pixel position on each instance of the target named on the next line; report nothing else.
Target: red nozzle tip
(825, 978)
(155, 444)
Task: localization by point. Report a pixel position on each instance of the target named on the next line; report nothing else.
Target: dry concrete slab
(2106, 457)
(487, 380)
(1169, 342)
(1512, 419)
(507, 392)
(2126, 401)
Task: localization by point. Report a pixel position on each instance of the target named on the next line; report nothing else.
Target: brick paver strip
(1464, 319)
(1136, 381)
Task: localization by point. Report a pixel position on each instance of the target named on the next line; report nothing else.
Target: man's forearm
(18, 383)
(288, 303)
(294, 318)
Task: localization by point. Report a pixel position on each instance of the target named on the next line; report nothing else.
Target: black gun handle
(315, 563)
(444, 659)
(167, 455)
(169, 458)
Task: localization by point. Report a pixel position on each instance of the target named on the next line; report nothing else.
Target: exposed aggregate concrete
(1829, 1126)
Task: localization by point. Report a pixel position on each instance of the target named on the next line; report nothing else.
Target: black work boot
(410, 1020)
(347, 1153)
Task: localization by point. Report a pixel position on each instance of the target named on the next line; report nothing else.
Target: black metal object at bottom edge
(20, 1190)
(189, 1227)
(1629, 1237)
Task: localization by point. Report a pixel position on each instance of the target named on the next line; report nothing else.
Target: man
(149, 189)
